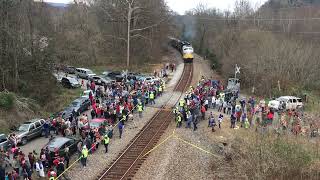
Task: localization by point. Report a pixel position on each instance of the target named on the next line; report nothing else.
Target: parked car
(285, 103)
(69, 70)
(29, 130)
(150, 79)
(113, 74)
(133, 76)
(86, 93)
(78, 106)
(58, 77)
(4, 142)
(100, 80)
(84, 73)
(96, 123)
(70, 82)
(59, 144)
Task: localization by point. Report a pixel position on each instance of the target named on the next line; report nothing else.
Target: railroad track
(129, 160)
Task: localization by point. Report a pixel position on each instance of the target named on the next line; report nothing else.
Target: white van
(84, 73)
(286, 103)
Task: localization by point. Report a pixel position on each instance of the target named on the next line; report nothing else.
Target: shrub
(6, 100)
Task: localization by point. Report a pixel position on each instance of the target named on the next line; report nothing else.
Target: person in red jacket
(203, 112)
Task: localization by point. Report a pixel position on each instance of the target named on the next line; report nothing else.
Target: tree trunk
(202, 40)
(128, 35)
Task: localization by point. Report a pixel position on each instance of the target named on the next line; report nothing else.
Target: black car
(4, 142)
(114, 74)
(70, 82)
(59, 144)
(134, 76)
(70, 70)
(78, 106)
(100, 80)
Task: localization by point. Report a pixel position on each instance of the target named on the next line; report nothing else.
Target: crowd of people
(242, 112)
(115, 102)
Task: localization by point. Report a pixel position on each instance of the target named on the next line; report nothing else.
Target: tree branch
(144, 37)
(139, 35)
(116, 37)
(148, 27)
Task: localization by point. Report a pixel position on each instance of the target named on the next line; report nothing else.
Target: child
(212, 122)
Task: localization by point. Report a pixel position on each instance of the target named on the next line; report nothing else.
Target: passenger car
(79, 106)
(133, 76)
(69, 70)
(114, 75)
(4, 142)
(150, 79)
(96, 123)
(70, 82)
(29, 130)
(285, 103)
(86, 93)
(59, 144)
(100, 80)
(84, 73)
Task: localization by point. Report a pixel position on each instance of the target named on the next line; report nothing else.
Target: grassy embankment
(267, 156)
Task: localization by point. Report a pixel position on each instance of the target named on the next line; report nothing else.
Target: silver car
(29, 130)
(4, 142)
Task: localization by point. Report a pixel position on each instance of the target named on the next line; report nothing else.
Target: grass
(313, 104)
(268, 156)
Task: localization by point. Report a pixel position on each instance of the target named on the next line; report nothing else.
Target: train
(184, 47)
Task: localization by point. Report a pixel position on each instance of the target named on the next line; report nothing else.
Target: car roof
(82, 98)
(31, 121)
(70, 78)
(288, 97)
(98, 120)
(58, 141)
(87, 91)
(84, 69)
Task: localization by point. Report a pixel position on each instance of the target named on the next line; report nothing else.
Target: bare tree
(130, 13)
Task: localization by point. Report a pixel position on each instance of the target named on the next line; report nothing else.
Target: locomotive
(184, 47)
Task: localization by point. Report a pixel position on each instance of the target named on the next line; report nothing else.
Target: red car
(96, 123)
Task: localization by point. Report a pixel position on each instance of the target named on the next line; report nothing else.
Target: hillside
(290, 3)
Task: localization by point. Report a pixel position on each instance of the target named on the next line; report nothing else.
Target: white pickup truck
(286, 103)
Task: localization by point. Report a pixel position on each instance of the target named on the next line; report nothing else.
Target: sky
(181, 6)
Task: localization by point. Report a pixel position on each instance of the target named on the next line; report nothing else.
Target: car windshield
(75, 103)
(95, 124)
(281, 99)
(90, 72)
(24, 127)
(53, 144)
(72, 80)
(3, 138)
